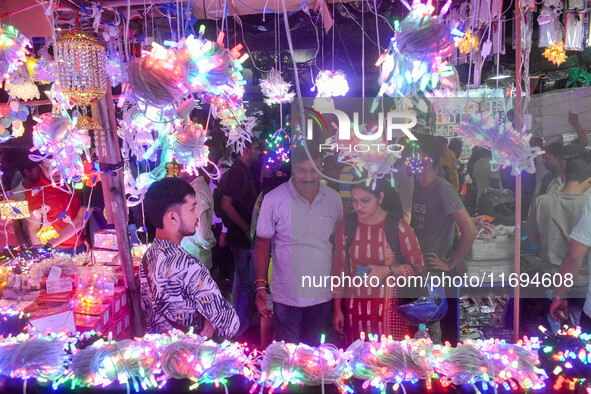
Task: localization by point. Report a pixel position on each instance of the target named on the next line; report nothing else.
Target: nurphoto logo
(348, 130)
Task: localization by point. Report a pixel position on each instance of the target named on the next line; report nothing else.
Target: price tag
(58, 286)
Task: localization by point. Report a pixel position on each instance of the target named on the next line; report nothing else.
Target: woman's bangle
(263, 281)
(262, 287)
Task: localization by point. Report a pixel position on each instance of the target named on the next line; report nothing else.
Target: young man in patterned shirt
(177, 289)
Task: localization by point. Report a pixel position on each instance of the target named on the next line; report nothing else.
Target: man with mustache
(176, 288)
(298, 218)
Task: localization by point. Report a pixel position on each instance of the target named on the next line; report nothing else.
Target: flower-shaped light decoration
(25, 90)
(555, 53)
(56, 136)
(239, 134)
(468, 43)
(13, 50)
(12, 114)
(189, 147)
(415, 60)
(275, 89)
(331, 83)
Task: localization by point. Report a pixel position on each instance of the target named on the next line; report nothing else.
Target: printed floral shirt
(180, 292)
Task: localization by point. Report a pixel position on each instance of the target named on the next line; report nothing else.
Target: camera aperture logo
(401, 121)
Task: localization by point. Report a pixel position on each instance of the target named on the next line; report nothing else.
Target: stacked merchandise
(76, 294)
(484, 318)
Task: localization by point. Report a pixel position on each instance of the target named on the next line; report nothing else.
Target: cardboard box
(87, 323)
(106, 257)
(121, 327)
(55, 321)
(102, 311)
(106, 239)
(62, 285)
(119, 302)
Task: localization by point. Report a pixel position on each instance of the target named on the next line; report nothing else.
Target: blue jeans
(306, 324)
(71, 251)
(243, 287)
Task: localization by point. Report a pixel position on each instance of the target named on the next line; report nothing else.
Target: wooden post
(115, 191)
(517, 113)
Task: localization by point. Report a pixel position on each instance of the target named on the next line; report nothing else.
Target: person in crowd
(70, 236)
(569, 270)
(369, 247)
(552, 218)
(31, 173)
(177, 290)
(483, 176)
(437, 209)
(238, 191)
(449, 162)
(298, 218)
(201, 243)
(553, 163)
(558, 166)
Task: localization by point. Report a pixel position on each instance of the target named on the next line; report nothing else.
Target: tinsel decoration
(14, 210)
(240, 134)
(189, 147)
(331, 83)
(13, 50)
(415, 59)
(275, 89)
(555, 53)
(81, 67)
(13, 115)
(27, 357)
(287, 363)
(509, 147)
(56, 136)
(468, 43)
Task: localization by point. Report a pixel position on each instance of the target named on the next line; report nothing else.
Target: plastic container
(422, 332)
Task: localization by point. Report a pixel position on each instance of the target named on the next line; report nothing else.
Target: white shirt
(301, 241)
(582, 233)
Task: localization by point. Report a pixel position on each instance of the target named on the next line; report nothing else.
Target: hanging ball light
(81, 67)
(555, 53)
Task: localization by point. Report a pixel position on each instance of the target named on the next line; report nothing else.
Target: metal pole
(114, 190)
(517, 111)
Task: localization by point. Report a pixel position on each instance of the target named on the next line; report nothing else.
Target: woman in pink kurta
(373, 310)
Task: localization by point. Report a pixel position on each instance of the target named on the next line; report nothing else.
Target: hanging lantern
(81, 67)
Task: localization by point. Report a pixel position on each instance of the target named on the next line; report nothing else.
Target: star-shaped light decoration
(468, 43)
(239, 134)
(555, 53)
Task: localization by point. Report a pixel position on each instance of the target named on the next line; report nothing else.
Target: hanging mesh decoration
(81, 67)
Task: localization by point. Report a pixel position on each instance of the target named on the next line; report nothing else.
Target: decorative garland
(151, 361)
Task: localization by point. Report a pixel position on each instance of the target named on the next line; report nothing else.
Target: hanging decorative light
(81, 67)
